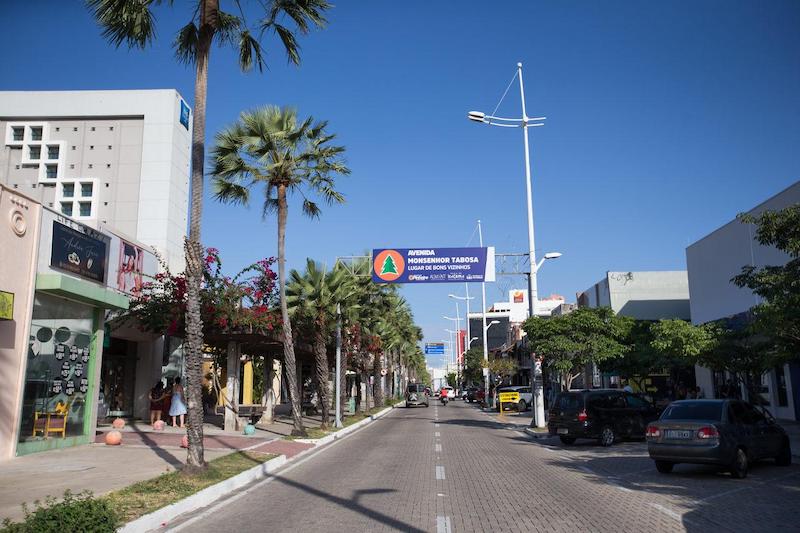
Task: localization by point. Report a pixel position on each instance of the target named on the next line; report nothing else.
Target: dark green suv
(417, 394)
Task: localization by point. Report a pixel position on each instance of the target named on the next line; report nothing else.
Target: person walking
(178, 407)
(156, 402)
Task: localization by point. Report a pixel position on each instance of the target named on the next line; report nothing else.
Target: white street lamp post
(466, 298)
(525, 122)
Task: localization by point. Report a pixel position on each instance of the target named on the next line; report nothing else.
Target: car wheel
(567, 440)
(785, 457)
(426, 405)
(739, 466)
(665, 467)
(607, 436)
(522, 406)
(407, 405)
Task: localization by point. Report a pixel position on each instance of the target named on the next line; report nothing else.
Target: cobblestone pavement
(458, 469)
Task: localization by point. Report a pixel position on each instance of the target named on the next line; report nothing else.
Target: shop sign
(432, 265)
(184, 115)
(78, 253)
(6, 305)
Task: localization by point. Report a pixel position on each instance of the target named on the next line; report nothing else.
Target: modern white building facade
(113, 158)
(712, 262)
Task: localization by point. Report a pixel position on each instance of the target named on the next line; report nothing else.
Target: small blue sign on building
(185, 114)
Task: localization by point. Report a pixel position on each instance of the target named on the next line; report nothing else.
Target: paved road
(459, 469)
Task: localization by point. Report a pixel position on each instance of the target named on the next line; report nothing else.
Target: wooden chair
(52, 422)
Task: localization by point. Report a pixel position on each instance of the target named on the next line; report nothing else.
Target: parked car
(525, 396)
(607, 415)
(470, 394)
(417, 394)
(728, 433)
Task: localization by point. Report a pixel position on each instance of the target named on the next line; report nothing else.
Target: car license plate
(562, 431)
(678, 434)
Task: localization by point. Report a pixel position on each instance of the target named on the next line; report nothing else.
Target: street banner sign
(434, 348)
(433, 265)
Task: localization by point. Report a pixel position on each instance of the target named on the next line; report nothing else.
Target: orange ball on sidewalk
(113, 438)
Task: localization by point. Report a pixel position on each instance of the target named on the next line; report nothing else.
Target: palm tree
(269, 148)
(315, 295)
(133, 23)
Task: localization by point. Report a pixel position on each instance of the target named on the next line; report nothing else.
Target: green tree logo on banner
(388, 266)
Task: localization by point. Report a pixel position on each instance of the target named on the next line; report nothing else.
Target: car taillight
(653, 432)
(583, 416)
(709, 432)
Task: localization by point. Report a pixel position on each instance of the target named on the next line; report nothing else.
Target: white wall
(716, 258)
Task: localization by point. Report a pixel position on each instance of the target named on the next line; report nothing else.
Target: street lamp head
(476, 116)
(552, 255)
(494, 322)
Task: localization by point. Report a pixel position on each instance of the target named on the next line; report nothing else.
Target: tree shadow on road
(353, 504)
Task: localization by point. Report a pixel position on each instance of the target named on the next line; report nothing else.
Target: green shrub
(74, 513)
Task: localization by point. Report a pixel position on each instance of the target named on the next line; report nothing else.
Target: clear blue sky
(665, 119)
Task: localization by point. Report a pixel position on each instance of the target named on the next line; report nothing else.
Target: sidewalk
(144, 454)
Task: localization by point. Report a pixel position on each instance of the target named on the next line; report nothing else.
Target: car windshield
(569, 401)
(693, 411)
(416, 388)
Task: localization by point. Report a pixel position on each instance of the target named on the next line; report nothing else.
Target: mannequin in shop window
(177, 408)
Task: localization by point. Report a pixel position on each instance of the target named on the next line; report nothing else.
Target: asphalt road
(457, 468)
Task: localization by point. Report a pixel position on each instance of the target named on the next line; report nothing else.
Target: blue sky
(664, 121)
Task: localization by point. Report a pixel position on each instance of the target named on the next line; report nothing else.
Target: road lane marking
(438, 448)
(443, 524)
(437, 434)
(439, 472)
(436, 425)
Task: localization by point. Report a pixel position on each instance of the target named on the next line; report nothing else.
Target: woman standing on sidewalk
(156, 402)
(178, 408)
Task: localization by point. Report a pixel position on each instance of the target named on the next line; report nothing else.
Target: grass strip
(147, 496)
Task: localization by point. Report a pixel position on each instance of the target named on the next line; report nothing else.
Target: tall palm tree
(268, 148)
(133, 23)
(315, 295)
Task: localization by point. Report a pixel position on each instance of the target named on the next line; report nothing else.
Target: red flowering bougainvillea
(245, 303)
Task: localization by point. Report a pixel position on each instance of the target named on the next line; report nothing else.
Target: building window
(91, 166)
(74, 129)
(86, 209)
(111, 128)
(66, 208)
(58, 129)
(91, 147)
(92, 128)
(109, 147)
(51, 172)
(72, 167)
(73, 147)
(17, 132)
(36, 133)
(16, 167)
(35, 152)
(108, 165)
(86, 190)
(68, 190)
(52, 152)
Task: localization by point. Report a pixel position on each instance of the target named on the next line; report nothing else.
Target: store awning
(80, 291)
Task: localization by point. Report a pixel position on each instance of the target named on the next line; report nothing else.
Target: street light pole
(484, 328)
(338, 381)
(525, 122)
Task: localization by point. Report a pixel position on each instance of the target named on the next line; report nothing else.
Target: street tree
(502, 368)
(312, 298)
(778, 316)
(269, 149)
(568, 343)
(474, 364)
(451, 378)
(133, 23)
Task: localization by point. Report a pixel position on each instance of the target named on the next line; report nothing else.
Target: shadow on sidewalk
(161, 452)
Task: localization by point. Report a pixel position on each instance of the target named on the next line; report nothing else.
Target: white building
(712, 262)
(641, 295)
(113, 158)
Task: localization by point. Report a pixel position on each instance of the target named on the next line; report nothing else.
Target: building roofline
(734, 221)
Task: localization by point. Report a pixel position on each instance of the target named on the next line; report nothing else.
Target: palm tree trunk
(193, 343)
(376, 372)
(288, 340)
(321, 357)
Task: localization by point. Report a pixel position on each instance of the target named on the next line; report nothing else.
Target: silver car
(417, 394)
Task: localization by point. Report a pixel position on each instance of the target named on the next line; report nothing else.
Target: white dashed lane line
(443, 524)
(439, 472)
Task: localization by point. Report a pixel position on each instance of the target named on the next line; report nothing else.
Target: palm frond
(129, 22)
(310, 209)
(250, 52)
(230, 192)
(289, 43)
(185, 44)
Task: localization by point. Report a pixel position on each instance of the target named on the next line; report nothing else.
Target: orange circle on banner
(388, 265)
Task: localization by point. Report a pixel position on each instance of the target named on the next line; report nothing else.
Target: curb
(207, 496)
(537, 434)
(162, 517)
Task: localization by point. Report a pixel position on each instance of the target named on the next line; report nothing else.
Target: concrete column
(271, 390)
(232, 388)
(247, 383)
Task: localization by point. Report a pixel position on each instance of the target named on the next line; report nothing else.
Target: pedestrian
(156, 402)
(177, 408)
(698, 393)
